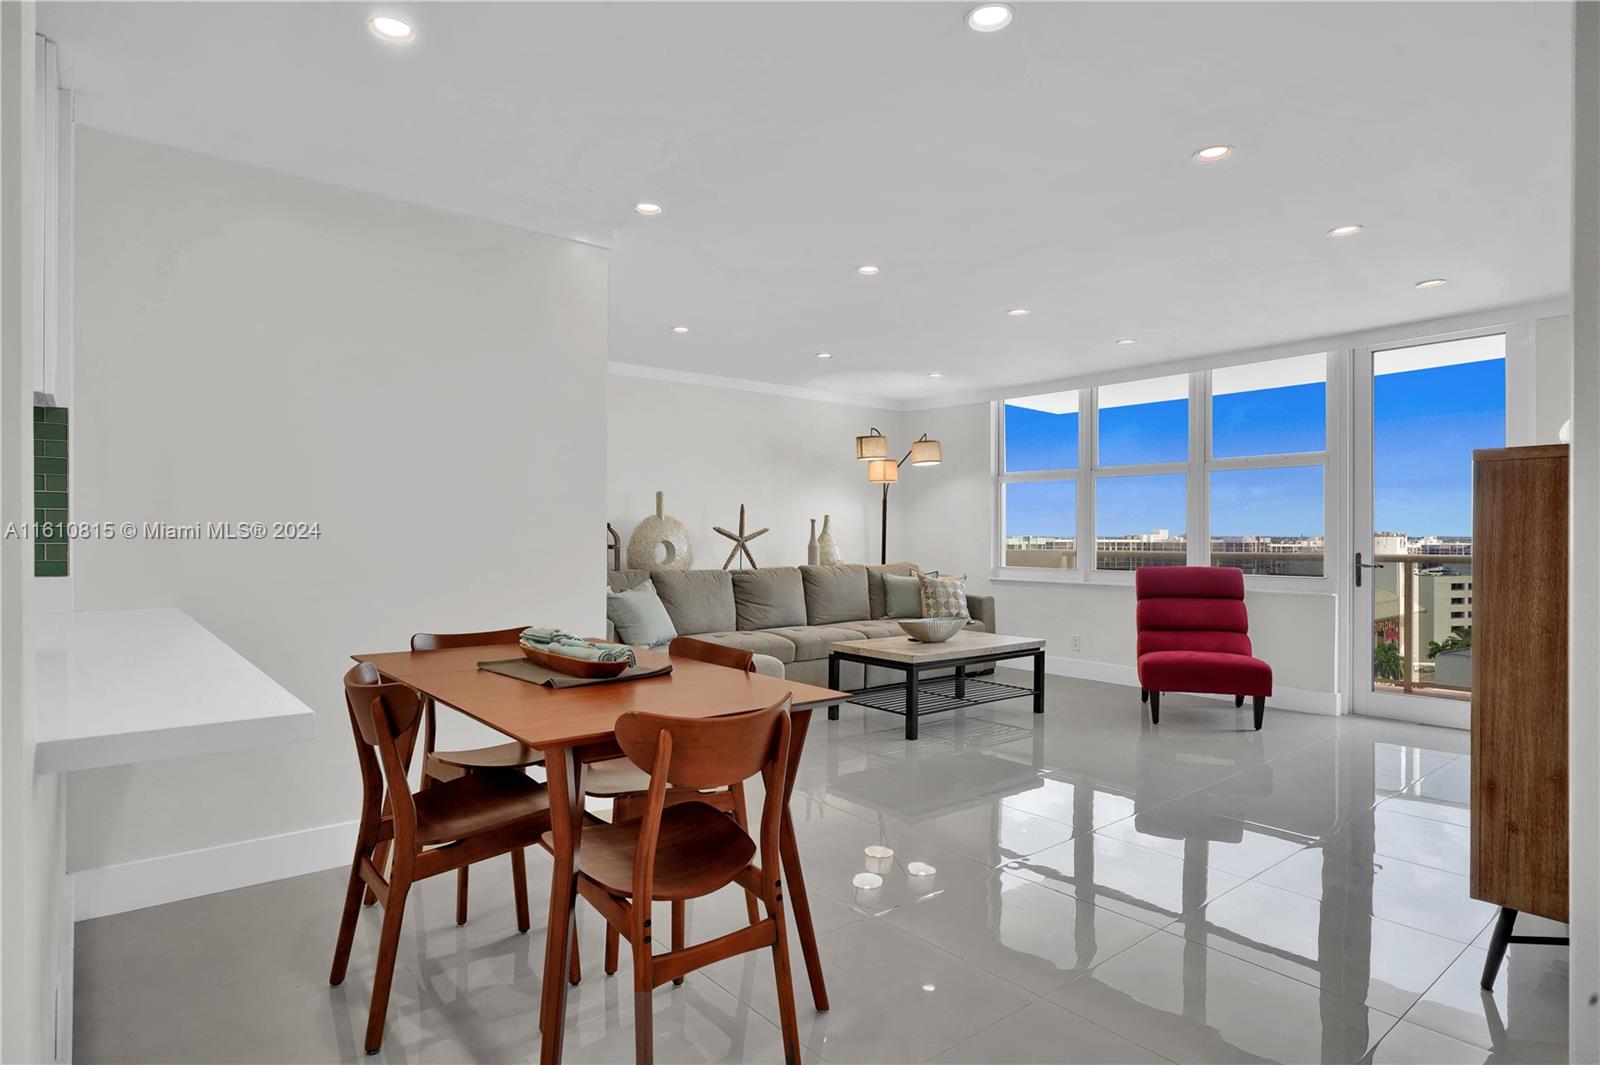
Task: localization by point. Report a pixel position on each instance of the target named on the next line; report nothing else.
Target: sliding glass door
(1420, 410)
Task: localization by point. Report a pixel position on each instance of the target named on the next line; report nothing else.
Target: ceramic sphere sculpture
(660, 533)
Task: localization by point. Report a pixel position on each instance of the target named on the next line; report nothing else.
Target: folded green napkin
(555, 641)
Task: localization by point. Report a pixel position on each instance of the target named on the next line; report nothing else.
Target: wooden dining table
(576, 726)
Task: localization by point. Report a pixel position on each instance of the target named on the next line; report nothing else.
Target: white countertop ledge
(116, 687)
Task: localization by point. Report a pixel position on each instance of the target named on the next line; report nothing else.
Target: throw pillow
(639, 616)
(902, 596)
(944, 597)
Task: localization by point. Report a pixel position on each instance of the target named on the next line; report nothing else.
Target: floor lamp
(873, 449)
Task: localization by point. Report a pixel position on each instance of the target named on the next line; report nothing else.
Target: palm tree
(1460, 639)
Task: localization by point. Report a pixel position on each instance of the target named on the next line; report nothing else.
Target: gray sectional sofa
(791, 613)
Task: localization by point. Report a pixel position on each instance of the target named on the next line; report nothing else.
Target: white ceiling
(1047, 166)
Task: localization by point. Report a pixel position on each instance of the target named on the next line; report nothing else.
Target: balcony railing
(1422, 624)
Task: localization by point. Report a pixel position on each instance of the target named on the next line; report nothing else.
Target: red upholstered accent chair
(1194, 636)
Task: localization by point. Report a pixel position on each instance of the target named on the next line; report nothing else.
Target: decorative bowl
(574, 667)
(933, 630)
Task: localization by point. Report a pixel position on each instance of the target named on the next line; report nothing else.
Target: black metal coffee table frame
(939, 694)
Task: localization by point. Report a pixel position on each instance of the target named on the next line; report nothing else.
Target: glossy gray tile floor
(1102, 891)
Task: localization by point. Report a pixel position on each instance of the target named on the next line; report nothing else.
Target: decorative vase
(660, 542)
(813, 552)
(828, 553)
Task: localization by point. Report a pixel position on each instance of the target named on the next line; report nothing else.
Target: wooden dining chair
(443, 827)
(626, 785)
(440, 765)
(689, 849)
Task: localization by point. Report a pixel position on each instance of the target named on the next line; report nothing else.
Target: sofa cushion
(698, 600)
(768, 598)
(762, 643)
(835, 593)
(620, 580)
(944, 597)
(811, 641)
(902, 596)
(639, 616)
(873, 630)
(876, 605)
(1210, 672)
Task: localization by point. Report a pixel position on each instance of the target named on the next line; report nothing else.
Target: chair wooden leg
(1155, 708)
(613, 947)
(644, 1052)
(741, 815)
(519, 890)
(574, 966)
(394, 911)
(347, 921)
(1260, 708)
(1238, 701)
(380, 861)
(1144, 695)
(785, 980)
(461, 894)
(679, 912)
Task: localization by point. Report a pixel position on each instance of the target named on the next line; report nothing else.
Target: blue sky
(1426, 425)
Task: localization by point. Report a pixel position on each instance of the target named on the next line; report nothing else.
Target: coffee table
(936, 695)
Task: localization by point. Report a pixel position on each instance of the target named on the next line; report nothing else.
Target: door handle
(1360, 565)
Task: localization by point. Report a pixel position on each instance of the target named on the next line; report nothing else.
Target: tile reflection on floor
(1073, 887)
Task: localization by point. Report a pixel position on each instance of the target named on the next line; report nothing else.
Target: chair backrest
(438, 641)
(706, 651)
(702, 753)
(1191, 608)
(382, 713)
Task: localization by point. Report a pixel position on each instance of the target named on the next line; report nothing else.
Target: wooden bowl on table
(573, 667)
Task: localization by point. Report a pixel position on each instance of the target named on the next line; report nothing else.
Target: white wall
(428, 387)
(1583, 678)
(710, 449)
(1552, 360)
(953, 517)
(31, 835)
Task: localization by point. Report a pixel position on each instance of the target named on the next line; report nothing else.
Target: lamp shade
(883, 471)
(872, 446)
(926, 452)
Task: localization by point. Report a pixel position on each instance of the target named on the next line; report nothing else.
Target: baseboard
(1304, 700)
(186, 875)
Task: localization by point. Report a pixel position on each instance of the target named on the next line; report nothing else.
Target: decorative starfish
(741, 542)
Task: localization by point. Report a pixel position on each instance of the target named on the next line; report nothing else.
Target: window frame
(1197, 469)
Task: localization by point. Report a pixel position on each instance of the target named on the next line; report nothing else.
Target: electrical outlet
(1077, 643)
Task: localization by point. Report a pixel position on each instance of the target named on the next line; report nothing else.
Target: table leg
(1038, 682)
(913, 681)
(961, 681)
(833, 682)
(789, 850)
(565, 783)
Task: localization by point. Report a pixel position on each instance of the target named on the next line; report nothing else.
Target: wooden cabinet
(1519, 680)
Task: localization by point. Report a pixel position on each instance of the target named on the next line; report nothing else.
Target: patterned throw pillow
(943, 597)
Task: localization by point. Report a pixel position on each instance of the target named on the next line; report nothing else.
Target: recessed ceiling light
(1019, 312)
(648, 209)
(1127, 342)
(1344, 231)
(936, 374)
(867, 271)
(680, 329)
(987, 18)
(1213, 153)
(824, 354)
(391, 29)
(1432, 282)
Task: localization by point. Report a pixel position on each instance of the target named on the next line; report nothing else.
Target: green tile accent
(51, 473)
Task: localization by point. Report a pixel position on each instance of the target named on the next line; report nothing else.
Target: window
(1039, 489)
(1269, 439)
(1242, 450)
(1141, 474)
